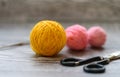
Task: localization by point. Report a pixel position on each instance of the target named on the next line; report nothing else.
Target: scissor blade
(114, 56)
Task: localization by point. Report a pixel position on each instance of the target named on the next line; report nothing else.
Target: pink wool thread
(76, 37)
(96, 36)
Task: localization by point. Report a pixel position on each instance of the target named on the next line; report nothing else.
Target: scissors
(91, 65)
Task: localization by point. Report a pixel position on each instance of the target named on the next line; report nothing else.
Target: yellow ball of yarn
(47, 38)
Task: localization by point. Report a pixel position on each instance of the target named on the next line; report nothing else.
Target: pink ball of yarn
(96, 36)
(76, 37)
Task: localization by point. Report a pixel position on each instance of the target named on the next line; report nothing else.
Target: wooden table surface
(21, 61)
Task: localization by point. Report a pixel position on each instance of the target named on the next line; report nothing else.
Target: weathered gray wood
(20, 61)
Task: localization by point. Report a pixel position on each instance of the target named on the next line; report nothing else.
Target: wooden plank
(20, 61)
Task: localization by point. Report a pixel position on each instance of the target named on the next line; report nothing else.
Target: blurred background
(22, 11)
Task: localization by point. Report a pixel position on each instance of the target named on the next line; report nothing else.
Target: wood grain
(21, 61)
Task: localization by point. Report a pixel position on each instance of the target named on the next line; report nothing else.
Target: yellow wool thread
(47, 38)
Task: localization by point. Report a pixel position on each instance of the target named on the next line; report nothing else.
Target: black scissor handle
(94, 68)
(103, 62)
(69, 61)
(76, 62)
